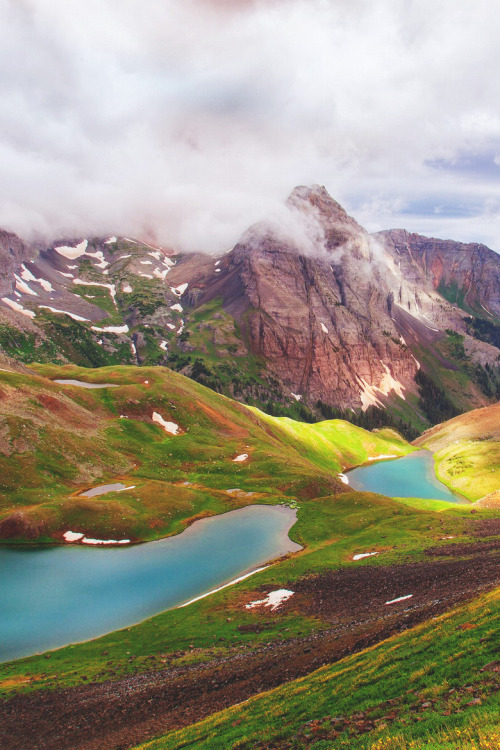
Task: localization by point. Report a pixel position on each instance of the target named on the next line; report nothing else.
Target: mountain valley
(144, 391)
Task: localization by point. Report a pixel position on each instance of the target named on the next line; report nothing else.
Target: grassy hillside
(58, 440)
(332, 530)
(467, 451)
(418, 685)
(428, 687)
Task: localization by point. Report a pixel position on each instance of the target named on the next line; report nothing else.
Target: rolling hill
(186, 450)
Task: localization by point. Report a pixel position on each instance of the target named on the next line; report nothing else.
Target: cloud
(189, 121)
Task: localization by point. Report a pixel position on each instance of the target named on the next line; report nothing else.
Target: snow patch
(387, 384)
(367, 395)
(127, 288)
(100, 257)
(217, 270)
(164, 346)
(155, 254)
(161, 274)
(112, 329)
(231, 583)
(364, 554)
(125, 256)
(64, 312)
(72, 536)
(28, 276)
(111, 240)
(169, 427)
(85, 540)
(324, 328)
(23, 287)
(73, 252)
(241, 457)
(296, 396)
(343, 478)
(273, 599)
(146, 275)
(400, 599)
(179, 290)
(177, 307)
(146, 262)
(378, 458)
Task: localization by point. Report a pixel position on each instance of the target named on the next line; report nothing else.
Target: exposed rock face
(13, 252)
(334, 311)
(469, 272)
(318, 309)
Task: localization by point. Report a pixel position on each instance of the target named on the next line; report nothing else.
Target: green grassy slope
(57, 440)
(423, 688)
(467, 451)
(332, 529)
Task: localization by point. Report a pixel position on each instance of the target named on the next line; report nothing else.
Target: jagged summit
(318, 196)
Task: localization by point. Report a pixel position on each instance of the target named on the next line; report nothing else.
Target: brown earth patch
(70, 414)
(20, 524)
(198, 517)
(459, 550)
(491, 501)
(486, 527)
(119, 713)
(233, 429)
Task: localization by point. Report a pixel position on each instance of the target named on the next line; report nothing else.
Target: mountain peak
(318, 196)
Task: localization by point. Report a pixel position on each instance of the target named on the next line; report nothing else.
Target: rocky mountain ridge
(306, 309)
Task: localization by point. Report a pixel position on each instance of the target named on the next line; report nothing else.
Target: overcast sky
(185, 121)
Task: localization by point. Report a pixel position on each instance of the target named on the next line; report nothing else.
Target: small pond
(83, 384)
(409, 476)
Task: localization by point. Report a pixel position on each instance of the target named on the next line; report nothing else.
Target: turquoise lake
(410, 476)
(53, 596)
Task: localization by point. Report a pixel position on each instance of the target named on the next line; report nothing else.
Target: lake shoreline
(75, 596)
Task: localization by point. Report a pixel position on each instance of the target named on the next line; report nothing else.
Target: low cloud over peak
(191, 121)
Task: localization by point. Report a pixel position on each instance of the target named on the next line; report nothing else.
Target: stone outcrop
(13, 252)
(317, 304)
(468, 273)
